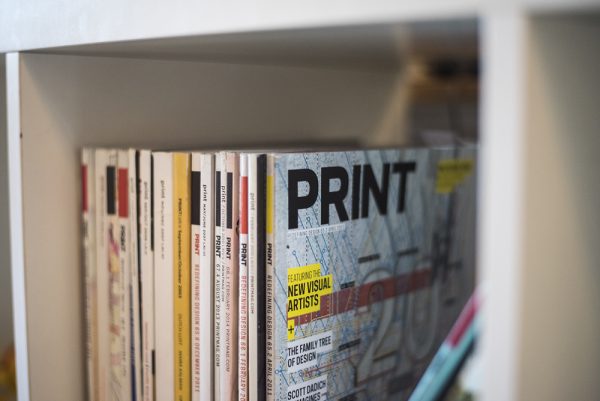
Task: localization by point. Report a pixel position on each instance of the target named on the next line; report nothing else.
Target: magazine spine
(196, 274)
(102, 274)
(218, 232)
(134, 287)
(256, 276)
(261, 306)
(146, 271)
(163, 275)
(269, 279)
(206, 355)
(124, 240)
(229, 340)
(181, 275)
(89, 270)
(252, 281)
(243, 280)
(117, 370)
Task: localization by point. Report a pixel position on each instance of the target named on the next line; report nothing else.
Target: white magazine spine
(89, 264)
(124, 239)
(243, 280)
(102, 276)
(117, 347)
(146, 272)
(195, 274)
(219, 172)
(229, 338)
(163, 274)
(207, 215)
(252, 281)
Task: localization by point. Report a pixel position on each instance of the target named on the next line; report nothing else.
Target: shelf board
(51, 24)
(369, 46)
(46, 24)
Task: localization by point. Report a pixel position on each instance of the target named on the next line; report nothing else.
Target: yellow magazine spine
(270, 277)
(181, 278)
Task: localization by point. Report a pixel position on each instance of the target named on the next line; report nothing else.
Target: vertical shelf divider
(501, 199)
(17, 249)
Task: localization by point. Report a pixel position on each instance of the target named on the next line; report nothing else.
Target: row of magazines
(290, 275)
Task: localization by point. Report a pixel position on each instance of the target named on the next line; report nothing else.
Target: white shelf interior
(357, 85)
(559, 314)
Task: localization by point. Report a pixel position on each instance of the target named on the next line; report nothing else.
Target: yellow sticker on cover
(306, 286)
(451, 173)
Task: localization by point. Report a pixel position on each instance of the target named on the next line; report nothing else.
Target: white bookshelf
(6, 327)
(217, 74)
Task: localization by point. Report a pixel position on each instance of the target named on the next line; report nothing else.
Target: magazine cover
(370, 259)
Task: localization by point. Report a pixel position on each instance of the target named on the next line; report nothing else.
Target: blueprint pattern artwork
(364, 297)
